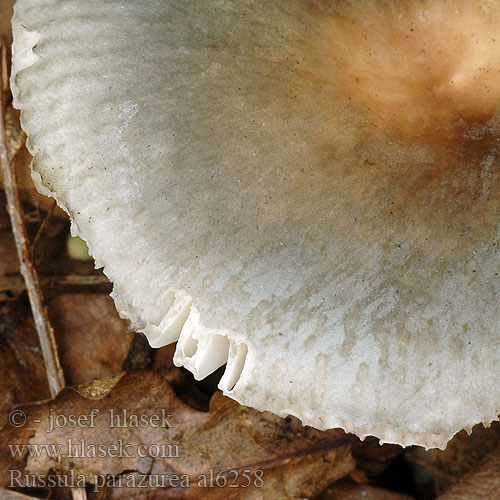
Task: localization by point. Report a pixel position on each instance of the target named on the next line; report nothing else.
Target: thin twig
(13, 286)
(78, 281)
(44, 329)
(45, 332)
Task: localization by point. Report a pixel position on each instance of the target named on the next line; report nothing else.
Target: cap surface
(245, 197)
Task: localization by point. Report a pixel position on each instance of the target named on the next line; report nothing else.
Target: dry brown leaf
(291, 461)
(362, 492)
(19, 383)
(483, 483)
(92, 339)
(98, 388)
(461, 455)
(22, 373)
(92, 342)
(13, 495)
(374, 459)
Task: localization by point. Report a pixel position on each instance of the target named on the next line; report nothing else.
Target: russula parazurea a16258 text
(306, 190)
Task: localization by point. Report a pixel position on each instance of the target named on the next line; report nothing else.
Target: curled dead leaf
(480, 484)
(362, 492)
(141, 428)
(92, 339)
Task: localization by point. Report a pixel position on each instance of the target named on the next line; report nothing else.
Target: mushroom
(305, 190)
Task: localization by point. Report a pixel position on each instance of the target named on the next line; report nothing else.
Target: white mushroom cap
(307, 190)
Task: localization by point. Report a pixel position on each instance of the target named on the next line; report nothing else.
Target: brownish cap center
(427, 72)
